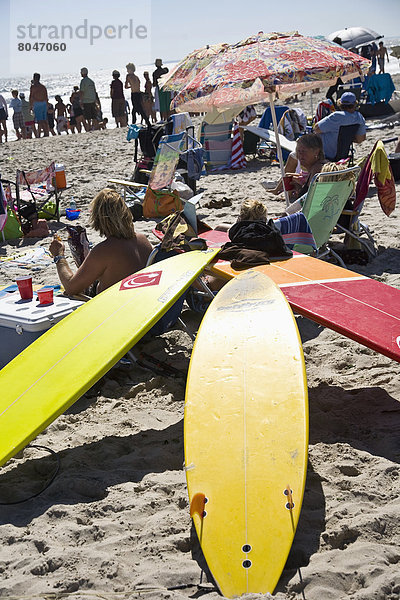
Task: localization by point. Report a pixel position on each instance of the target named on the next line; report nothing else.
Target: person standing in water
(132, 82)
(163, 99)
(38, 100)
(381, 53)
(117, 100)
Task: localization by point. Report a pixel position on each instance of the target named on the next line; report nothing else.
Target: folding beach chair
(160, 177)
(355, 88)
(216, 139)
(345, 140)
(323, 206)
(37, 194)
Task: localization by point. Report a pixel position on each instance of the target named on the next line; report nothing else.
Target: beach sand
(116, 518)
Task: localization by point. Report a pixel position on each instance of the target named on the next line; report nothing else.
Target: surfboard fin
(197, 505)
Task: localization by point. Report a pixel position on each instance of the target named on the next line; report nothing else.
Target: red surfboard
(362, 309)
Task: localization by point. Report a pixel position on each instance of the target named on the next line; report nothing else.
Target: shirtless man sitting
(122, 253)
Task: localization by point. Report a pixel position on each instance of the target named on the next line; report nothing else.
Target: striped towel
(295, 229)
(238, 160)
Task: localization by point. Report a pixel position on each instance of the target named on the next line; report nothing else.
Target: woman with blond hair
(122, 253)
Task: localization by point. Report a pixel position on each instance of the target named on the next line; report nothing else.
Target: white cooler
(23, 321)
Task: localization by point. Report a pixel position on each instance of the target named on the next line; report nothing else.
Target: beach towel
(291, 125)
(324, 108)
(35, 259)
(217, 141)
(295, 229)
(380, 88)
(247, 115)
(218, 154)
(181, 121)
(377, 166)
(238, 160)
(194, 157)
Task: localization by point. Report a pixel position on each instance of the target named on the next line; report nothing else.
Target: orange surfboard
(362, 309)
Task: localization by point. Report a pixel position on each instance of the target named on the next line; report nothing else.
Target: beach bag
(48, 211)
(12, 229)
(38, 229)
(160, 203)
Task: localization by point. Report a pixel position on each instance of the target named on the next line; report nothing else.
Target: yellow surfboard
(55, 370)
(246, 434)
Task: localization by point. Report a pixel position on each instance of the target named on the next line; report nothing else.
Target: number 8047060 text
(42, 47)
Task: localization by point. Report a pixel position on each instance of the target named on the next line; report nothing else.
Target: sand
(116, 518)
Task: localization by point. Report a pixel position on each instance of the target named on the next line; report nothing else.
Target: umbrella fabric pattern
(188, 68)
(285, 62)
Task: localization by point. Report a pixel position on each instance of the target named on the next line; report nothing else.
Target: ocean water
(62, 84)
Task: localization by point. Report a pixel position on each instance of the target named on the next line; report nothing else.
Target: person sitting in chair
(301, 166)
(328, 128)
(122, 253)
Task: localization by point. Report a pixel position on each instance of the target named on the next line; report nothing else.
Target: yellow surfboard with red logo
(55, 370)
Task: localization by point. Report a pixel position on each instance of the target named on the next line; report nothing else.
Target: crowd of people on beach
(38, 117)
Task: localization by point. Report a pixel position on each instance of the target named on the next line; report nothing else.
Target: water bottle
(72, 204)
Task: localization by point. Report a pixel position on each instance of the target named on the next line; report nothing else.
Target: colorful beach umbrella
(352, 37)
(248, 71)
(253, 69)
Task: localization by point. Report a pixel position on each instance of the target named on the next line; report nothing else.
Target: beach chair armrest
(126, 183)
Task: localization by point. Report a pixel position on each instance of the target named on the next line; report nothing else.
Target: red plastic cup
(25, 287)
(45, 296)
(287, 180)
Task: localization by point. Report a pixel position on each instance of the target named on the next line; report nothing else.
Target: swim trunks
(40, 111)
(89, 110)
(18, 120)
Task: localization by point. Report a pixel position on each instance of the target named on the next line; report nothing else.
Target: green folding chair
(323, 206)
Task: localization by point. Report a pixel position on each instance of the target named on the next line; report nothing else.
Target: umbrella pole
(278, 145)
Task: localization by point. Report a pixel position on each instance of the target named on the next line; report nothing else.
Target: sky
(99, 33)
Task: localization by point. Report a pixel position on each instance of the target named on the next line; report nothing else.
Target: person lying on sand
(122, 253)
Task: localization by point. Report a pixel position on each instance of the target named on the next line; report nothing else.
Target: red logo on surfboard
(141, 280)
